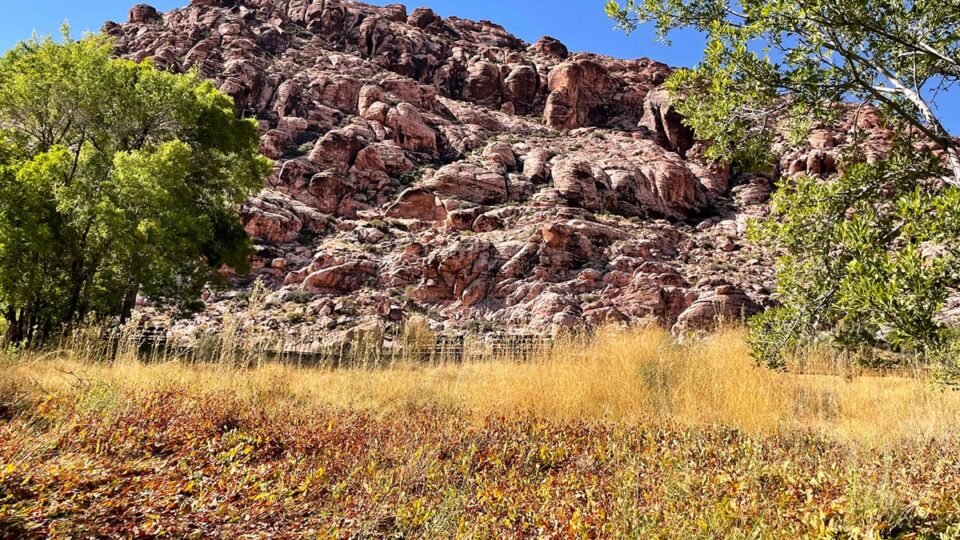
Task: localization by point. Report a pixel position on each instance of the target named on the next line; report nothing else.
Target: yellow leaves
(414, 515)
(269, 497)
(578, 526)
(317, 476)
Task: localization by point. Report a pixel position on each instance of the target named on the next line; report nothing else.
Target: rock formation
(445, 167)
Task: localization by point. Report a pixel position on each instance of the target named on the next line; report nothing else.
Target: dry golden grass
(627, 434)
(637, 376)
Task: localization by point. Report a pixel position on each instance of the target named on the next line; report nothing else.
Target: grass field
(629, 434)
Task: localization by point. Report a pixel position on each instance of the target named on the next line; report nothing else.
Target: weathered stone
(723, 305)
(549, 46)
(446, 162)
(143, 13)
(576, 91)
(410, 130)
(469, 182)
(419, 204)
(500, 155)
(660, 117)
(580, 184)
(520, 88)
(342, 278)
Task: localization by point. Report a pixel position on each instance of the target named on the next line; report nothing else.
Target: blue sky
(580, 24)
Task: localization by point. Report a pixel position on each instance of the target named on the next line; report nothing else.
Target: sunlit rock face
(445, 167)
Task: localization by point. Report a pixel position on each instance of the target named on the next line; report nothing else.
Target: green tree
(867, 259)
(116, 179)
(900, 55)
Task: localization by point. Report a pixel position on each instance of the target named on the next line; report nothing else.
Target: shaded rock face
(577, 91)
(445, 166)
(662, 119)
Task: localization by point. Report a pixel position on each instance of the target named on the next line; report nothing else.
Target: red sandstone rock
(417, 204)
(724, 305)
(551, 47)
(448, 161)
(576, 89)
(661, 118)
(342, 278)
(469, 182)
(143, 13)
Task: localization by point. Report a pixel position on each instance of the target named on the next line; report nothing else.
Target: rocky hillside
(444, 167)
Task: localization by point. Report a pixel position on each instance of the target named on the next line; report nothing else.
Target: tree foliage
(869, 258)
(902, 55)
(116, 179)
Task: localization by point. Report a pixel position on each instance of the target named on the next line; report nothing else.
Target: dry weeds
(625, 434)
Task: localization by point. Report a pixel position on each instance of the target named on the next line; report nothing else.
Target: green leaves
(115, 178)
(811, 54)
(870, 258)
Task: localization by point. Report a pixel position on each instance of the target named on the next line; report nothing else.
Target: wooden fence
(154, 343)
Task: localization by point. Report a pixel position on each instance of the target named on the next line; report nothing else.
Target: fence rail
(154, 343)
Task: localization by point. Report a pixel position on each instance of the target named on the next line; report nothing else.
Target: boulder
(577, 91)
(143, 14)
(410, 130)
(385, 157)
(342, 278)
(662, 119)
(753, 190)
(424, 18)
(520, 87)
(457, 272)
(580, 184)
(328, 17)
(723, 305)
(340, 92)
(655, 182)
(551, 47)
(483, 83)
(469, 182)
(575, 241)
(336, 151)
(536, 166)
(270, 223)
(277, 218)
(418, 204)
(333, 194)
(500, 155)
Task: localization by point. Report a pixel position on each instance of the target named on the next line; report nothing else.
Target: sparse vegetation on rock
(555, 174)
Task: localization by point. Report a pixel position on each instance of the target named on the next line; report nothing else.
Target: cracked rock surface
(446, 168)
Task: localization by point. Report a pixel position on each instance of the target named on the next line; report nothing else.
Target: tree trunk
(953, 156)
(129, 303)
(76, 295)
(940, 134)
(18, 326)
(13, 334)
